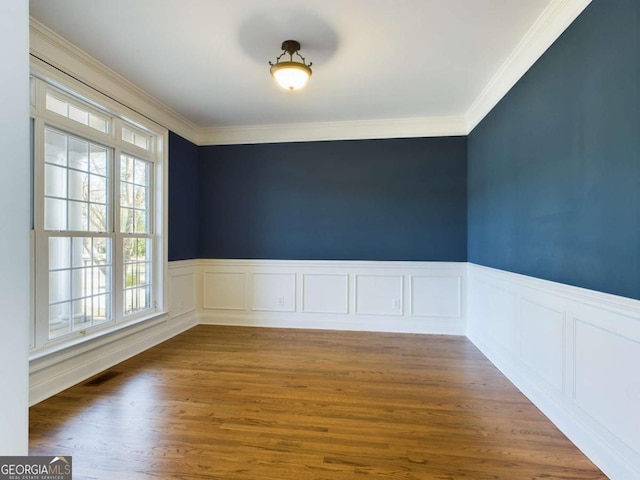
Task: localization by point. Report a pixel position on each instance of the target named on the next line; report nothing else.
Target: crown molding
(551, 23)
(51, 48)
(348, 130)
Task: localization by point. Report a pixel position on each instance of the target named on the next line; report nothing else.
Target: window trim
(46, 78)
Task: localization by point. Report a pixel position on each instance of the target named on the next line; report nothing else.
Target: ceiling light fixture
(291, 74)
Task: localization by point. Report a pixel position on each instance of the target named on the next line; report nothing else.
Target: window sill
(62, 350)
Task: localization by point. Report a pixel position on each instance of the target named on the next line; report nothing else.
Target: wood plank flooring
(251, 403)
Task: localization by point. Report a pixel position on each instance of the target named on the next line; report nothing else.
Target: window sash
(58, 103)
(136, 137)
(82, 296)
(138, 195)
(77, 188)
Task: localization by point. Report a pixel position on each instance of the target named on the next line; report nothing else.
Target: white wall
(574, 352)
(14, 226)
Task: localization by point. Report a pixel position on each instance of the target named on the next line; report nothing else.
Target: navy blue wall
(401, 199)
(554, 169)
(183, 198)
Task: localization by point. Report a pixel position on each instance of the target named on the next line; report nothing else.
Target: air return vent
(102, 378)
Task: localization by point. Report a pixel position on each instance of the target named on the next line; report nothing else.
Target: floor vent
(102, 378)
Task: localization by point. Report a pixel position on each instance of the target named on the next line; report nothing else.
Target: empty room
(315, 240)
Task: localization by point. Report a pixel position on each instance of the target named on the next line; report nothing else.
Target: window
(135, 137)
(97, 218)
(57, 103)
(135, 191)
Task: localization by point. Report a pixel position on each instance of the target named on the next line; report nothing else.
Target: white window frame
(45, 79)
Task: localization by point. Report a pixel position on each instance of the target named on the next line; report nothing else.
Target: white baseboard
(366, 323)
(46, 381)
(573, 352)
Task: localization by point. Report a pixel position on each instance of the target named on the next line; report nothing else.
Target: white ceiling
(372, 59)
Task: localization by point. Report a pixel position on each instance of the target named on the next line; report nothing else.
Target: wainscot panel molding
(182, 288)
(50, 374)
(573, 352)
(412, 297)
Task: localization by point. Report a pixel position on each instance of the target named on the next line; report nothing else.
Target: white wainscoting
(415, 297)
(53, 373)
(574, 352)
(182, 288)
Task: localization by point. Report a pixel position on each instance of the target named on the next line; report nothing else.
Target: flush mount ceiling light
(291, 74)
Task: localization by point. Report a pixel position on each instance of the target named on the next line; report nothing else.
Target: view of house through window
(96, 245)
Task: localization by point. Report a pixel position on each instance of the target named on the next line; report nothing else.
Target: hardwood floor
(248, 403)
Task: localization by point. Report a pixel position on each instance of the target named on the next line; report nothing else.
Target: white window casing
(99, 214)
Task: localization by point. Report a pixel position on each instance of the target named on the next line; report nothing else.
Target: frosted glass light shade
(291, 75)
